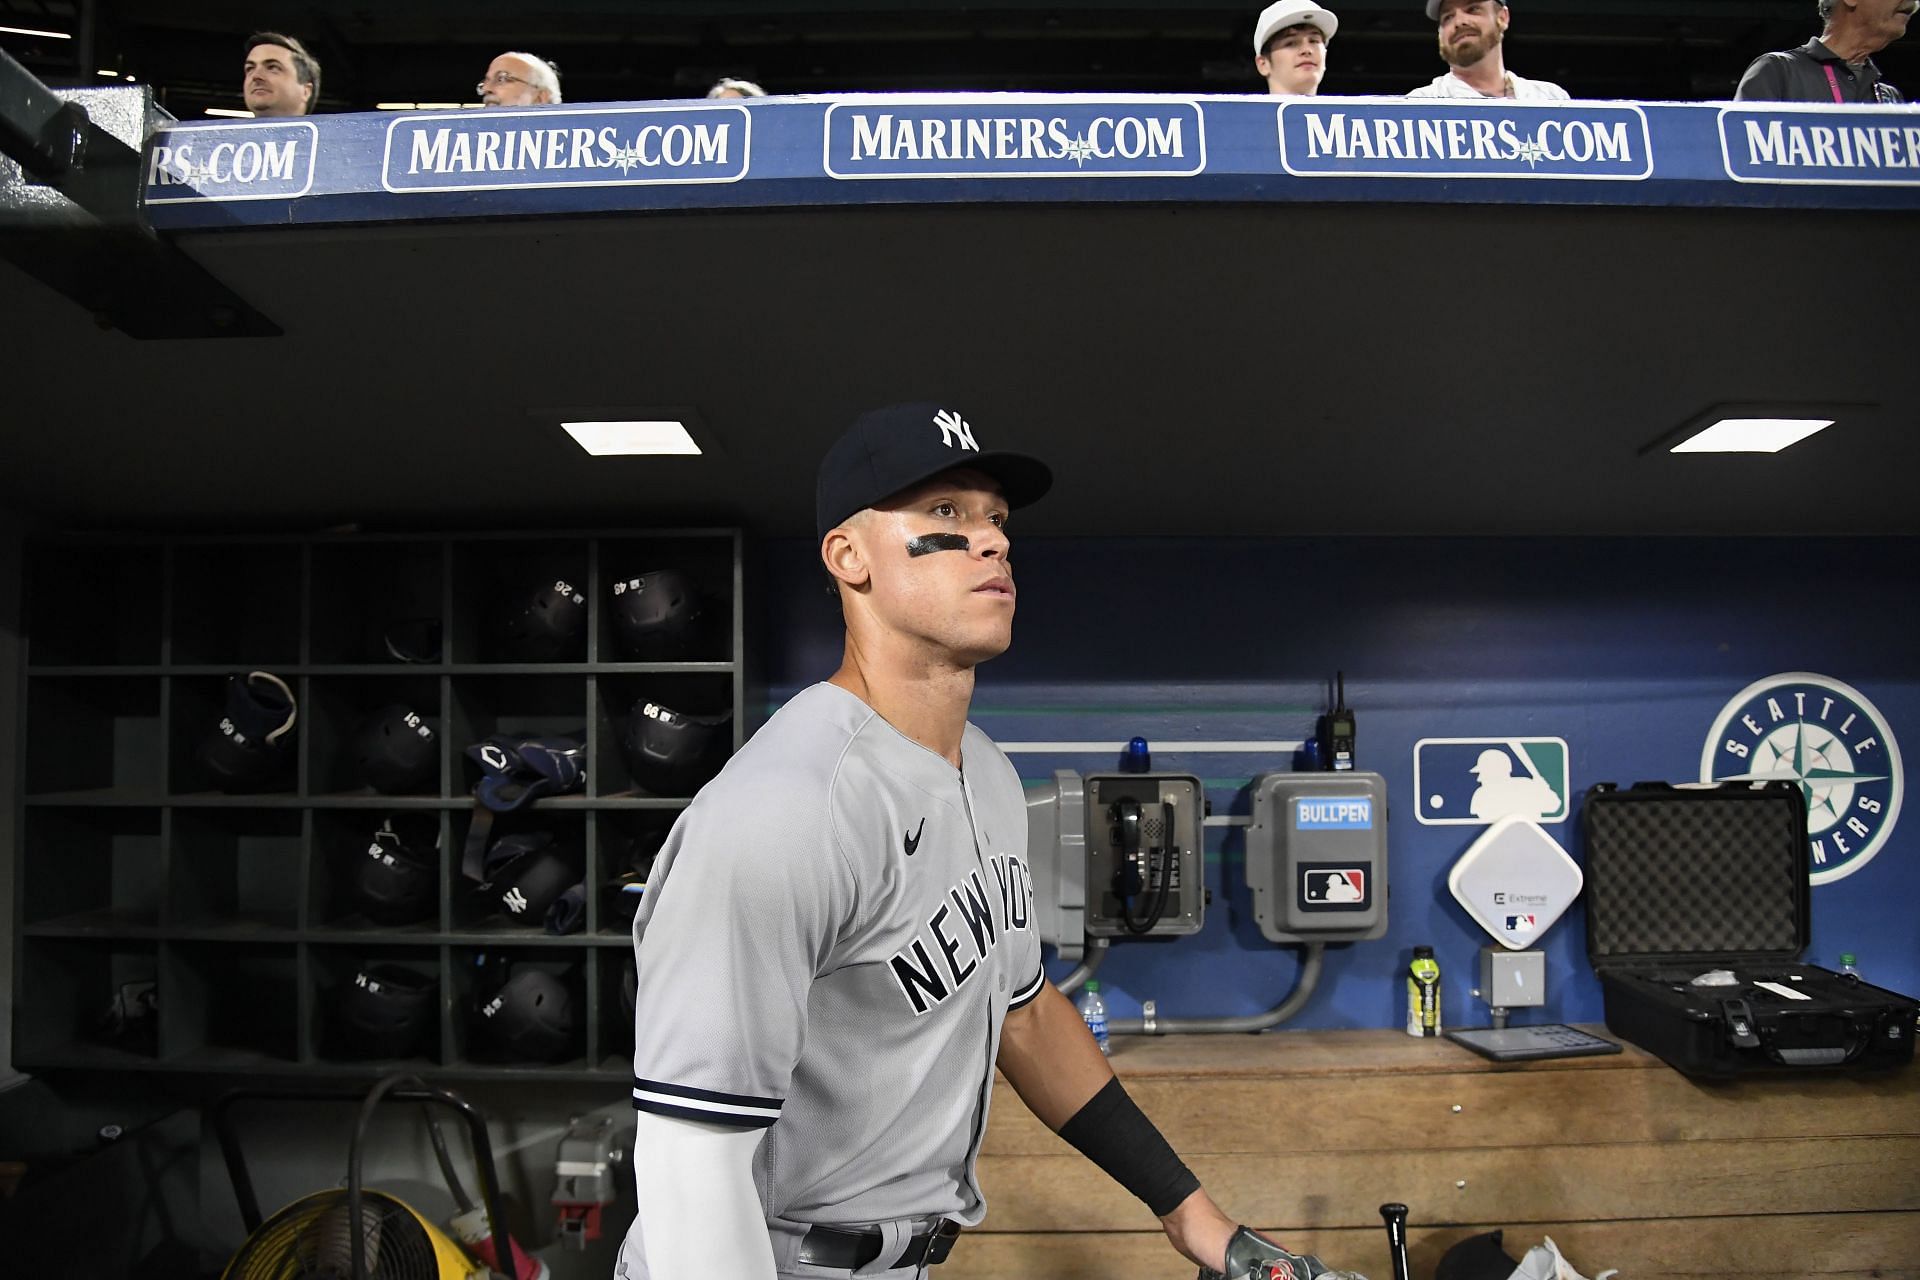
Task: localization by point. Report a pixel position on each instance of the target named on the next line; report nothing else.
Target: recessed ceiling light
(604, 439)
(111, 75)
(230, 113)
(29, 31)
(1751, 435)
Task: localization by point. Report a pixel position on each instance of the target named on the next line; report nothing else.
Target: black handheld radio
(1336, 729)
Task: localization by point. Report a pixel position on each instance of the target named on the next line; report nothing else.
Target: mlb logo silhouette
(1478, 781)
(1520, 924)
(1333, 886)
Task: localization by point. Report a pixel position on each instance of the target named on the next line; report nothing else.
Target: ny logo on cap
(953, 425)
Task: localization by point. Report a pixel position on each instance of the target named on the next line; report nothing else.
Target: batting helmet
(252, 748)
(413, 640)
(549, 627)
(529, 1017)
(671, 752)
(395, 882)
(525, 876)
(656, 617)
(386, 1012)
(397, 751)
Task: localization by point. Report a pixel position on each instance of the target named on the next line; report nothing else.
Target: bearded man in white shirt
(1471, 35)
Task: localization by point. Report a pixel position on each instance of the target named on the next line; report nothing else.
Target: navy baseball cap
(888, 450)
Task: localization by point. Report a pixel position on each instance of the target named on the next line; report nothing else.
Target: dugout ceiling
(1216, 369)
(608, 50)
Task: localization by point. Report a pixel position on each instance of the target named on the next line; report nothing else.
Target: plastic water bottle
(1847, 967)
(1423, 994)
(1094, 1010)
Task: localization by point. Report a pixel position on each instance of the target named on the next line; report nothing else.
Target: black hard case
(1684, 880)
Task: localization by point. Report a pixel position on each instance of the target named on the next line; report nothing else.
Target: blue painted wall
(1627, 649)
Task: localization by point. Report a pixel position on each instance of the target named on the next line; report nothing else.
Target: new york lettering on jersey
(961, 951)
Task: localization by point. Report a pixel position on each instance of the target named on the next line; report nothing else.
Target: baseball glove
(1251, 1256)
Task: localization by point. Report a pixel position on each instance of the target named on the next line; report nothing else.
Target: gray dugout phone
(1143, 829)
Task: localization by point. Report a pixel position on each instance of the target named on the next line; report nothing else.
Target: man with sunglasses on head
(1471, 35)
(1838, 66)
(519, 80)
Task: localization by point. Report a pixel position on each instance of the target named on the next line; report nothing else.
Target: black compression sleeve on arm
(1116, 1135)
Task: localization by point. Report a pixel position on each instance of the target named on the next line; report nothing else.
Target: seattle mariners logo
(1825, 736)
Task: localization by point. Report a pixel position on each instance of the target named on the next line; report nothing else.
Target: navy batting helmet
(252, 747)
(526, 874)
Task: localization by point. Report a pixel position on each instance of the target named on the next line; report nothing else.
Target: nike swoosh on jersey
(913, 841)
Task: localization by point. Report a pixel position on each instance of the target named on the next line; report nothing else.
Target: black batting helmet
(671, 752)
(551, 626)
(398, 751)
(656, 616)
(395, 882)
(530, 1017)
(387, 1011)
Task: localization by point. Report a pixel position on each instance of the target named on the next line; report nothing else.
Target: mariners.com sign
(1820, 145)
(1015, 136)
(311, 164)
(1464, 140)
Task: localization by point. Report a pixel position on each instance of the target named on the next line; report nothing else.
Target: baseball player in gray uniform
(836, 949)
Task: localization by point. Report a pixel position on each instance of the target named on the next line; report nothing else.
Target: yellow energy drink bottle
(1423, 994)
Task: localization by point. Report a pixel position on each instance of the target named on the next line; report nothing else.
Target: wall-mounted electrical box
(1317, 856)
(1057, 857)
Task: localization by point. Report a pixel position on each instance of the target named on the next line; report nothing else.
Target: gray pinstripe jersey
(830, 940)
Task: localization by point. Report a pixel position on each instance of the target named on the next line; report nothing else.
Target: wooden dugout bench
(1623, 1161)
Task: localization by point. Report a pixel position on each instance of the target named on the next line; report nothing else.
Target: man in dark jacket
(1837, 67)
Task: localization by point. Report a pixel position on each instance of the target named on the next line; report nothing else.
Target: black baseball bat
(1396, 1219)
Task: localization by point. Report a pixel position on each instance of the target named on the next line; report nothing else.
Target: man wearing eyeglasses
(1471, 35)
(519, 80)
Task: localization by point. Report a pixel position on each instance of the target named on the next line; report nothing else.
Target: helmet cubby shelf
(215, 882)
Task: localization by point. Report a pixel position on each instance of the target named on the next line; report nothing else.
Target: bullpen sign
(1826, 737)
(497, 150)
(1015, 136)
(1414, 138)
(1825, 145)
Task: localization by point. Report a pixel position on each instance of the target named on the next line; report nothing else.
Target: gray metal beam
(72, 218)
